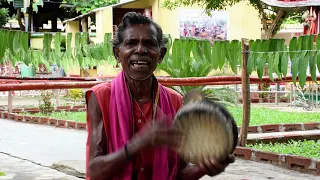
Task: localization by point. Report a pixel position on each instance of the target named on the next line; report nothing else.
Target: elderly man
(129, 119)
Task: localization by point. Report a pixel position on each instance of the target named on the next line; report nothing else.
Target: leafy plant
(225, 95)
(198, 58)
(2, 174)
(276, 54)
(86, 6)
(46, 107)
(75, 94)
(3, 16)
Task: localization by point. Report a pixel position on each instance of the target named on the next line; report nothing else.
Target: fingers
(211, 167)
(231, 158)
(169, 137)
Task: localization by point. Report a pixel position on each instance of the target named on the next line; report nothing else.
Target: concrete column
(73, 27)
(104, 23)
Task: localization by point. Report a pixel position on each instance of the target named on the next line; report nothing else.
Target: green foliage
(14, 48)
(2, 174)
(306, 148)
(208, 4)
(86, 6)
(275, 53)
(261, 115)
(73, 116)
(46, 107)
(225, 96)
(75, 94)
(3, 16)
(198, 58)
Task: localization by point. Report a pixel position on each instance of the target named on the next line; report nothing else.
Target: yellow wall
(243, 21)
(36, 43)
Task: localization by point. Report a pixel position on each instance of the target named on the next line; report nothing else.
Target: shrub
(75, 94)
(47, 106)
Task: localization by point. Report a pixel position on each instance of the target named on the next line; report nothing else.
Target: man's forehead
(140, 31)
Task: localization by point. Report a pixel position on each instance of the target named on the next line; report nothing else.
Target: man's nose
(141, 49)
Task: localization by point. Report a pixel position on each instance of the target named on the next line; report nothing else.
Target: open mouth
(139, 64)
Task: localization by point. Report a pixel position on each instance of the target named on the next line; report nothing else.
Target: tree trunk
(84, 26)
(19, 14)
(275, 25)
(245, 96)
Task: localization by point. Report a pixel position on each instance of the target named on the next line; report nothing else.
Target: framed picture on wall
(196, 23)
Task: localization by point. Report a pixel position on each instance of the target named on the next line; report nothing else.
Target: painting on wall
(197, 24)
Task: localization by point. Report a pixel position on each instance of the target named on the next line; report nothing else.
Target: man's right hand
(158, 134)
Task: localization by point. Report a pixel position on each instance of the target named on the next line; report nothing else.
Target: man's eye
(130, 42)
(151, 43)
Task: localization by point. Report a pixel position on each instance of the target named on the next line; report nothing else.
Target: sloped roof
(292, 3)
(121, 3)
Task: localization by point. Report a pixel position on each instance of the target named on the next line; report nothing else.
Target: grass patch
(306, 148)
(73, 116)
(261, 115)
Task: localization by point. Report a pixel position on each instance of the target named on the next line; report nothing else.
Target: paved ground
(42, 144)
(48, 145)
(18, 169)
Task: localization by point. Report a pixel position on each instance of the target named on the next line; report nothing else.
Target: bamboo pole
(245, 95)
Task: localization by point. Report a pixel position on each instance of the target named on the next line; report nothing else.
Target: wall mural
(197, 24)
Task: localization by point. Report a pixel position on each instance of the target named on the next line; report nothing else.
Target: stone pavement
(47, 145)
(41, 144)
(18, 169)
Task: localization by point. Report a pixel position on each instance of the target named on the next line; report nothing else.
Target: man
(129, 120)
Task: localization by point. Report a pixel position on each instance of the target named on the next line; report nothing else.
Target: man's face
(139, 52)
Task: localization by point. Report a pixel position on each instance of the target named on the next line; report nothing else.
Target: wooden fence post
(245, 95)
(10, 97)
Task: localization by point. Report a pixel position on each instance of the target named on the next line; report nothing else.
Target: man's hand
(211, 167)
(158, 134)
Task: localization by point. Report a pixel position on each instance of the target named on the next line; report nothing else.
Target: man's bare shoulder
(105, 86)
(174, 94)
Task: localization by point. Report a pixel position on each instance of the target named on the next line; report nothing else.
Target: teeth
(139, 62)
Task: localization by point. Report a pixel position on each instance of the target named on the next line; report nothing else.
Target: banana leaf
(318, 53)
(3, 44)
(47, 39)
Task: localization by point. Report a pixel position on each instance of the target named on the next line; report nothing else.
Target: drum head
(209, 129)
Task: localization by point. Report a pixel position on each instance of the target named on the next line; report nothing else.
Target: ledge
(44, 121)
(293, 162)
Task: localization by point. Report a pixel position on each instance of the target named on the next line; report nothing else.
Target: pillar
(104, 23)
(73, 27)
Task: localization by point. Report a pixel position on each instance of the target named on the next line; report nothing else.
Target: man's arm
(103, 165)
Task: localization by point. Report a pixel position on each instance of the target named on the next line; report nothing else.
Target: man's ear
(163, 52)
(116, 52)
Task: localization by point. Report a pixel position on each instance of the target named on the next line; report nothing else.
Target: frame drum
(209, 129)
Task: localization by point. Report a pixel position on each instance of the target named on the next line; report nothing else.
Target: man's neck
(140, 89)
